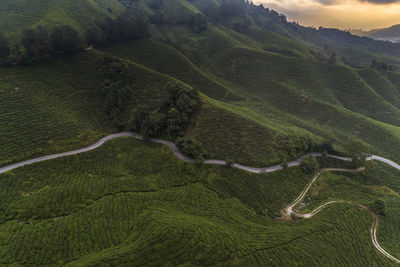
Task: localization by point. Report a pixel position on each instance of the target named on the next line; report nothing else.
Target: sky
(343, 14)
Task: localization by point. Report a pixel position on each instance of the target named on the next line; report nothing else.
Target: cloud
(344, 14)
(376, 2)
(328, 2)
(381, 2)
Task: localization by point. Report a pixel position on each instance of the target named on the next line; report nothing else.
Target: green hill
(21, 14)
(234, 78)
(131, 202)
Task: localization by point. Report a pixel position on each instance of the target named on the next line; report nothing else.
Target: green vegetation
(118, 204)
(191, 148)
(377, 188)
(223, 80)
(310, 165)
(50, 108)
(379, 207)
(17, 15)
(169, 117)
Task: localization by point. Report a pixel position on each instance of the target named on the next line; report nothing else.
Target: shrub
(191, 148)
(379, 207)
(4, 47)
(309, 165)
(284, 164)
(358, 151)
(64, 39)
(229, 162)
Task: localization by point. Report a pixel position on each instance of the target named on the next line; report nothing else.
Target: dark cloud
(327, 2)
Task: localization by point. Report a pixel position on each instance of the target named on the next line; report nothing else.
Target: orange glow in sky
(344, 14)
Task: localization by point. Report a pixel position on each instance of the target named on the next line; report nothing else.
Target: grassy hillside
(59, 105)
(21, 14)
(377, 182)
(265, 97)
(116, 205)
(51, 107)
(289, 95)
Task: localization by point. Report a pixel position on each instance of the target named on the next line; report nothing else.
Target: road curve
(178, 154)
(288, 210)
(374, 226)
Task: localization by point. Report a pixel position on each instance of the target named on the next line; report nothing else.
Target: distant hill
(387, 34)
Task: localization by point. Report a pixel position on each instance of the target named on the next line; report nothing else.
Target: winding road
(288, 209)
(374, 226)
(176, 152)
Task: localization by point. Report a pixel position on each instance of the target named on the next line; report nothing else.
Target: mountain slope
(21, 14)
(270, 91)
(389, 34)
(127, 197)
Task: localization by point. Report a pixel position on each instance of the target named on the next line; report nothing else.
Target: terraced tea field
(118, 198)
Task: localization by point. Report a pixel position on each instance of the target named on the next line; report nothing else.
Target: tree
(309, 165)
(199, 160)
(332, 57)
(232, 8)
(36, 43)
(94, 36)
(358, 151)
(379, 207)
(4, 47)
(191, 147)
(199, 23)
(65, 39)
(153, 125)
(284, 164)
(229, 162)
(139, 114)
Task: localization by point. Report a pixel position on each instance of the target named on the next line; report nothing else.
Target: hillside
(224, 80)
(18, 15)
(387, 34)
(131, 202)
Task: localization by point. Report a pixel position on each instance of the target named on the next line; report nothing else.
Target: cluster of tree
(196, 22)
(358, 151)
(381, 66)
(167, 116)
(379, 207)
(37, 44)
(171, 116)
(130, 25)
(296, 146)
(4, 48)
(116, 89)
(191, 148)
(309, 165)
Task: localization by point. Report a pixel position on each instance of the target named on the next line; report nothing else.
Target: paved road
(183, 157)
(65, 154)
(374, 226)
(288, 210)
